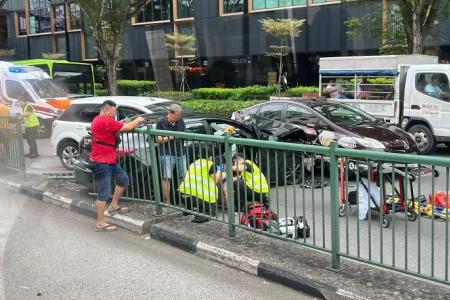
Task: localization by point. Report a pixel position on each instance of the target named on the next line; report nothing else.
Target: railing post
(334, 191)
(230, 196)
(155, 173)
(21, 154)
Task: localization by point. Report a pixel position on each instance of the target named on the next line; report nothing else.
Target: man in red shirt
(104, 129)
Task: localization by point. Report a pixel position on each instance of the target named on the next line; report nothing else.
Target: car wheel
(423, 137)
(69, 154)
(293, 175)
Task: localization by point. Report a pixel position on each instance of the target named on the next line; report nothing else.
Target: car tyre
(423, 137)
(69, 154)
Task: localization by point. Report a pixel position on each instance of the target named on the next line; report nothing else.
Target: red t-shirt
(105, 130)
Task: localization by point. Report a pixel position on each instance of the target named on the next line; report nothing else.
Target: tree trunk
(111, 74)
(417, 34)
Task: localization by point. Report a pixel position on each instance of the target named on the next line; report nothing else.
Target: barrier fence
(386, 209)
(11, 143)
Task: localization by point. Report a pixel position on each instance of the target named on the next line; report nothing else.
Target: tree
(405, 26)
(182, 45)
(2, 2)
(282, 29)
(7, 53)
(106, 19)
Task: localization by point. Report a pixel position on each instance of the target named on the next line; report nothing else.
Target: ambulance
(34, 86)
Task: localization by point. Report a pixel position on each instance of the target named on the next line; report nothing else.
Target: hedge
(298, 91)
(255, 92)
(222, 108)
(135, 87)
(101, 92)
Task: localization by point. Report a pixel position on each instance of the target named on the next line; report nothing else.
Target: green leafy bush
(101, 92)
(135, 87)
(255, 92)
(298, 91)
(222, 108)
(172, 95)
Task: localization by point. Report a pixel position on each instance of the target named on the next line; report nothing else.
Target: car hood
(393, 138)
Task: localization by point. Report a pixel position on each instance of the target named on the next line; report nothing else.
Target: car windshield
(45, 88)
(162, 108)
(344, 115)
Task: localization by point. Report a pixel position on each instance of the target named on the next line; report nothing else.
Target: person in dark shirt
(171, 150)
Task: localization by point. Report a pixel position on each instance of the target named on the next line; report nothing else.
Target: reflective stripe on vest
(255, 180)
(198, 183)
(32, 120)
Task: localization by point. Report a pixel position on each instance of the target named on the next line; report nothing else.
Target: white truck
(36, 87)
(411, 91)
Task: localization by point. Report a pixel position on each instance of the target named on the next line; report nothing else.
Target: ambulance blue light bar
(17, 70)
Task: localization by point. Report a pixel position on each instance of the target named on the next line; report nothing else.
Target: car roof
(122, 100)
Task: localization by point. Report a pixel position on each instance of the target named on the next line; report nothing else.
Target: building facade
(230, 45)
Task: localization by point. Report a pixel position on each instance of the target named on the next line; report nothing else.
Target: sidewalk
(296, 266)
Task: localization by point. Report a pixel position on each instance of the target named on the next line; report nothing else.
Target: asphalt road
(50, 253)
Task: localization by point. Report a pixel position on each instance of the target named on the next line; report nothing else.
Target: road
(53, 253)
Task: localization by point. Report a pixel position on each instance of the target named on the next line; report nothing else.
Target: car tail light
(61, 104)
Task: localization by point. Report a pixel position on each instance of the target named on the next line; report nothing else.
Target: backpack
(259, 216)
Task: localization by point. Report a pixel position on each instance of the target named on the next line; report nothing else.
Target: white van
(412, 91)
(36, 87)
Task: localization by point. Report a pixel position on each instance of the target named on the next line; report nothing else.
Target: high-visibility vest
(32, 120)
(255, 180)
(198, 183)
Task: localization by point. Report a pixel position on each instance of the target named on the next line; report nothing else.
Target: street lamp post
(66, 33)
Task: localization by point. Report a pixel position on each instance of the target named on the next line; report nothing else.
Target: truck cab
(36, 87)
(411, 91)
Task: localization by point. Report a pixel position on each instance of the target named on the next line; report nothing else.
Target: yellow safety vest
(255, 180)
(198, 183)
(32, 120)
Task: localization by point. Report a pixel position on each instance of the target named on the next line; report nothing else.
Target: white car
(74, 123)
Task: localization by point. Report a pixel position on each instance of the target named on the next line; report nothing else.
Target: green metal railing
(11, 144)
(325, 185)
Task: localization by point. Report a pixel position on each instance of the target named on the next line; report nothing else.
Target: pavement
(51, 253)
(285, 262)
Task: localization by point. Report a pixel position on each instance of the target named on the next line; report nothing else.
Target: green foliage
(100, 74)
(222, 108)
(7, 53)
(297, 91)
(101, 92)
(255, 92)
(282, 28)
(135, 87)
(171, 95)
(54, 56)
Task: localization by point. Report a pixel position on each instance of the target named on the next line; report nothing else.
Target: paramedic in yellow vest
(249, 183)
(200, 185)
(31, 124)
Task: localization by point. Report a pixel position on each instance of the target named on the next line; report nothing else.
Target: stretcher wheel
(412, 216)
(386, 221)
(342, 211)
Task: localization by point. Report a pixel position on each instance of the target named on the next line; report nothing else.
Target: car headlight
(370, 143)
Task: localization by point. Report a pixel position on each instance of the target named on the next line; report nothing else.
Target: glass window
(300, 116)
(60, 42)
(271, 111)
(322, 1)
(126, 111)
(163, 108)
(266, 4)
(88, 113)
(233, 6)
(155, 10)
(14, 90)
(344, 115)
(91, 52)
(185, 9)
(21, 23)
(74, 78)
(45, 88)
(40, 20)
(75, 16)
(58, 12)
(435, 85)
(196, 128)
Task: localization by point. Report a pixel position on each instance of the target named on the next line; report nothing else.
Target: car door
(269, 117)
(130, 140)
(196, 149)
(305, 120)
(432, 106)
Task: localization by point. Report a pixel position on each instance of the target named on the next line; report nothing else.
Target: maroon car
(320, 122)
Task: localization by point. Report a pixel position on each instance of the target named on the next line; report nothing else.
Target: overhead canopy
(384, 72)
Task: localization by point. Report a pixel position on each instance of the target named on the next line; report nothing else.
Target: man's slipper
(108, 227)
(117, 210)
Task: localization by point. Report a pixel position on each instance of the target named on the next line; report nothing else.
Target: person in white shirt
(335, 90)
(433, 89)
